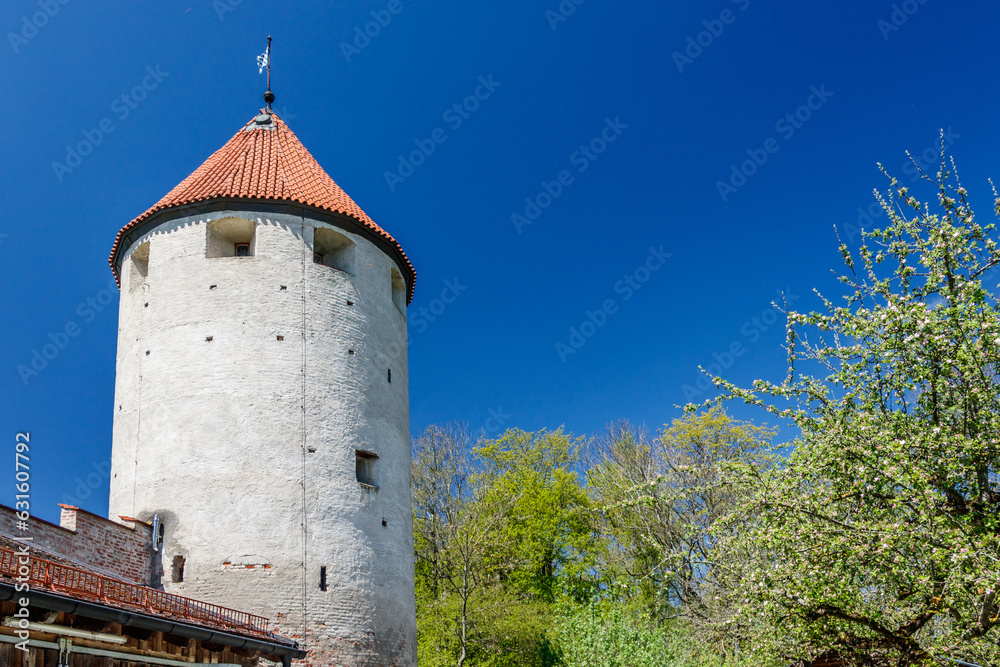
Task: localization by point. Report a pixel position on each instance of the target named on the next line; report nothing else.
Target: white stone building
(261, 403)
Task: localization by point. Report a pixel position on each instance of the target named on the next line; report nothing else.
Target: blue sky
(640, 108)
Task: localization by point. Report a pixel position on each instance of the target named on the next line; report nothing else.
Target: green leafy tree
(546, 542)
(879, 539)
(659, 501)
(455, 521)
(499, 527)
(449, 542)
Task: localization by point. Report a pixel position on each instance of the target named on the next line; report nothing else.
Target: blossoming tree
(878, 539)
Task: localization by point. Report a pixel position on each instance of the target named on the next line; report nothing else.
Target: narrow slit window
(322, 578)
(177, 574)
(389, 376)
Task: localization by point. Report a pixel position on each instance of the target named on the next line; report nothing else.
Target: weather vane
(264, 60)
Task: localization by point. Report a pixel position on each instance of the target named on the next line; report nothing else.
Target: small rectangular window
(242, 249)
(365, 467)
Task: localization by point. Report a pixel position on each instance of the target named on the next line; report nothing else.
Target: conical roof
(264, 160)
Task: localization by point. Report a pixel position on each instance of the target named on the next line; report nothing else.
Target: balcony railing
(81, 584)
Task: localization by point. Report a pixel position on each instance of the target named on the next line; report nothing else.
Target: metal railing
(107, 590)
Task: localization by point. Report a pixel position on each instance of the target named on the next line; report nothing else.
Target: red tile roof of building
(265, 161)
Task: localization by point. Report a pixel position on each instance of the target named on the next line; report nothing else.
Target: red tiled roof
(264, 162)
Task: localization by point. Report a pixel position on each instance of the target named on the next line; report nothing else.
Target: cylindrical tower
(261, 403)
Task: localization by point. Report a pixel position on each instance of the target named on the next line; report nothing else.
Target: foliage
(499, 527)
(599, 634)
(607, 633)
(877, 539)
(546, 542)
(659, 500)
(505, 631)
(880, 538)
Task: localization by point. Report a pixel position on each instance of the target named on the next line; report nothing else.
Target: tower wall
(244, 387)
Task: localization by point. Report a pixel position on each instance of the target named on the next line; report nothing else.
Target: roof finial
(268, 96)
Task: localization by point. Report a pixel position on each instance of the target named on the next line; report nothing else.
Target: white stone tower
(261, 403)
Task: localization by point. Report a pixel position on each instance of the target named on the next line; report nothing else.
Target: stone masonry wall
(245, 386)
(119, 550)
